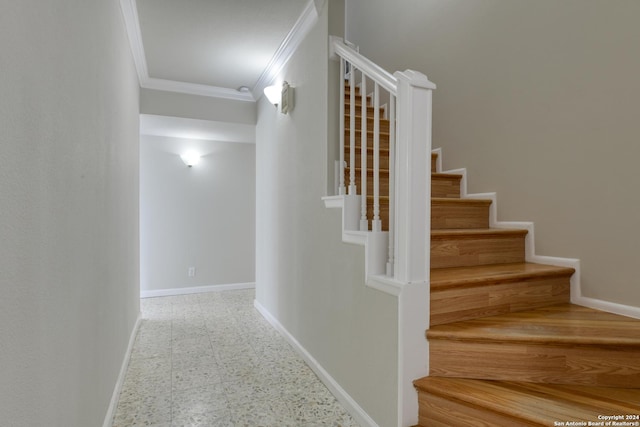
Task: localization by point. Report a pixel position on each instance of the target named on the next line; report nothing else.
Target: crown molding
(195, 89)
(301, 28)
(132, 24)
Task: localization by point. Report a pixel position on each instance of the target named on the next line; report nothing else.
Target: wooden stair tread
(369, 148)
(440, 175)
(384, 133)
(476, 233)
(369, 170)
(458, 277)
(562, 324)
(454, 201)
(540, 404)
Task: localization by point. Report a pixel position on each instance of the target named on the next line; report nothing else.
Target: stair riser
(436, 411)
(458, 304)
(602, 366)
(457, 215)
(384, 139)
(465, 218)
(384, 182)
(370, 110)
(384, 158)
(384, 124)
(445, 187)
(434, 163)
(460, 252)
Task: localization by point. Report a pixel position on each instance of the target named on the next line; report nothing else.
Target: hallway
(212, 360)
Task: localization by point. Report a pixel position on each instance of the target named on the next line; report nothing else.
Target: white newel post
(413, 177)
(412, 234)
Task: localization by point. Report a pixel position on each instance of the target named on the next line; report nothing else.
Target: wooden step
(445, 185)
(475, 403)
(384, 139)
(358, 104)
(448, 213)
(384, 180)
(465, 293)
(434, 162)
(459, 248)
(561, 344)
(384, 123)
(347, 88)
(384, 156)
(384, 177)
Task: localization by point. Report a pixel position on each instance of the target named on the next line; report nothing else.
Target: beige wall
(202, 217)
(173, 104)
(310, 281)
(68, 210)
(539, 101)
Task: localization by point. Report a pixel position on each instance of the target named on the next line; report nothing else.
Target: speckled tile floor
(212, 360)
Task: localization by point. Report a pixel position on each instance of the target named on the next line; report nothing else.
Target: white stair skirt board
(531, 256)
(197, 290)
(113, 405)
(375, 243)
(343, 397)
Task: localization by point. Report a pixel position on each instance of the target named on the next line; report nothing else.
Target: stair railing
(408, 99)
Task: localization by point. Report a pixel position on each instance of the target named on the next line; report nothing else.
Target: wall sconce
(190, 158)
(273, 94)
(280, 95)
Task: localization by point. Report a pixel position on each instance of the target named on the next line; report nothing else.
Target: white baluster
(392, 170)
(352, 132)
(341, 187)
(364, 222)
(376, 224)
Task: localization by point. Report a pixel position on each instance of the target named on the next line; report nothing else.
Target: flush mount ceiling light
(190, 158)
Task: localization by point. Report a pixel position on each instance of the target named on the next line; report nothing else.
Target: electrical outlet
(191, 272)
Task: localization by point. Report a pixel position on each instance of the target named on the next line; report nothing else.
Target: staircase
(506, 346)
(384, 154)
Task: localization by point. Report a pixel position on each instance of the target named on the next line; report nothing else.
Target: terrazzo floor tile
(212, 360)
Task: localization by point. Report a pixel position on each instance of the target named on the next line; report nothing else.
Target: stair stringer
(412, 298)
(530, 253)
(375, 243)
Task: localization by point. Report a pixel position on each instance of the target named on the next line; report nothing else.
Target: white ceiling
(212, 47)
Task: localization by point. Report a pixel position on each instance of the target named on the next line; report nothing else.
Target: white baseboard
(113, 405)
(343, 397)
(196, 290)
(610, 307)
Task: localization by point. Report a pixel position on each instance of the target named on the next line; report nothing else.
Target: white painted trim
(385, 284)
(372, 70)
(343, 397)
(132, 24)
(611, 307)
(115, 397)
(530, 250)
(333, 202)
(195, 89)
(300, 29)
(531, 256)
(196, 290)
(413, 348)
(438, 151)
